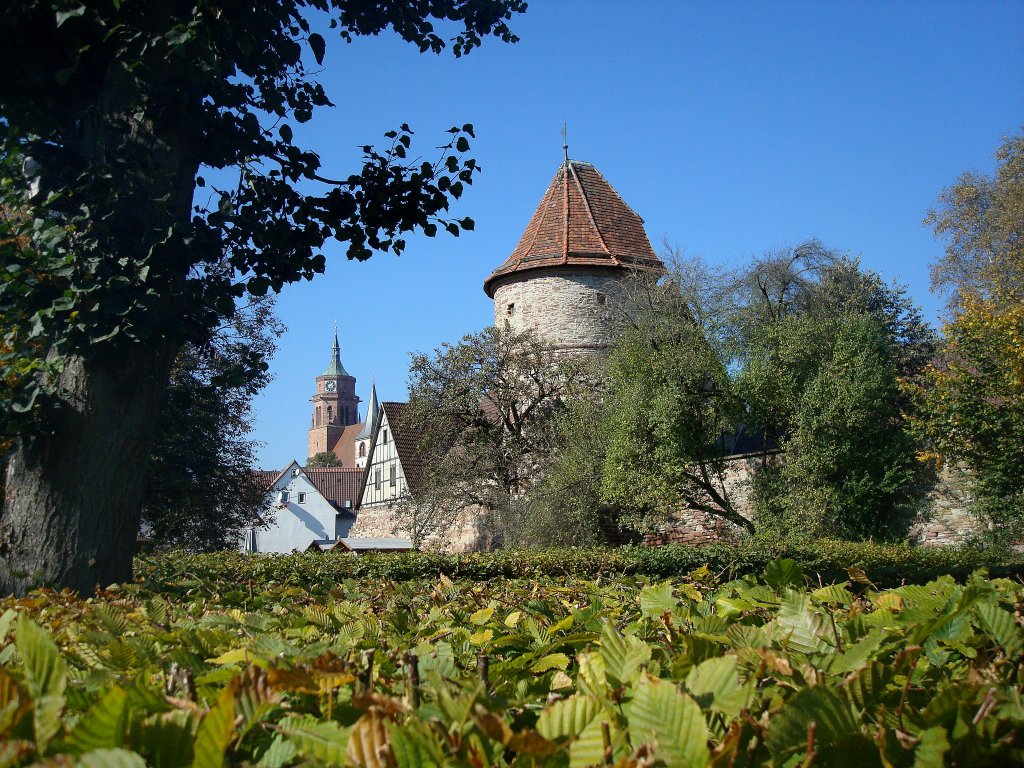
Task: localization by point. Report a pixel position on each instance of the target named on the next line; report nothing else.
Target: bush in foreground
(551, 671)
(825, 561)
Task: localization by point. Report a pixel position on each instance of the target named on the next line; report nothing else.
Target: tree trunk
(70, 516)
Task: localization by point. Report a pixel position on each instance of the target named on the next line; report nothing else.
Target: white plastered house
(306, 504)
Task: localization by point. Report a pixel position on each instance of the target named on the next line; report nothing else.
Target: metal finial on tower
(565, 142)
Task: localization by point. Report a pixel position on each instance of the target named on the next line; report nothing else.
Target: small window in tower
(601, 298)
(510, 310)
(362, 450)
(330, 414)
(302, 498)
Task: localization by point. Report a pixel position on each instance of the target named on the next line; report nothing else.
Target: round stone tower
(581, 246)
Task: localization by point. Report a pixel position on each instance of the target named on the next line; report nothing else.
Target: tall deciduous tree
(670, 399)
(202, 491)
(970, 402)
(484, 407)
(114, 109)
(821, 344)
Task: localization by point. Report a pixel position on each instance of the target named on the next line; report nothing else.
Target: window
(392, 477)
(385, 438)
(330, 414)
(302, 498)
(295, 473)
(376, 479)
(601, 298)
(362, 450)
(510, 310)
(283, 497)
(319, 416)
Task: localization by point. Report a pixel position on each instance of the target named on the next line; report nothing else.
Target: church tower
(579, 249)
(335, 404)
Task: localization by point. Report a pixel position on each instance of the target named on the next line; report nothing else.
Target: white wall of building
(301, 515)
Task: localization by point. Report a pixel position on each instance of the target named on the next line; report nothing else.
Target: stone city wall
(941, 520)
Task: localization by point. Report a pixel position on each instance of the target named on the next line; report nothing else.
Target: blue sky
(731, 128)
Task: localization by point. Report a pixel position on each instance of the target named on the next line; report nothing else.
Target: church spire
(372, 414)
(335, 368)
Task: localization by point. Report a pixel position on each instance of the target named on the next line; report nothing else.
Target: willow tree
(116, 109)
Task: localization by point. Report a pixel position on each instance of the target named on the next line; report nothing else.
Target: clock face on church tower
(330, 386)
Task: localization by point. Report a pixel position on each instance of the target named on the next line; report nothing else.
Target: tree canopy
(116, 112)
(969, 403)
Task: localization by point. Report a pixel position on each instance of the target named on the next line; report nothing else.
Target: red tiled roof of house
(581, 221)
(407, 439)
(336, 484)
(265, 478)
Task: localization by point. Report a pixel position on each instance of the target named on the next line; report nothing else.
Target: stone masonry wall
(942, 519)
(379, 520)
(568, 307)
(691, 526)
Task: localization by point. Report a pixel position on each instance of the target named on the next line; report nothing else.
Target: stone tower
(578, 250)
(335, 404)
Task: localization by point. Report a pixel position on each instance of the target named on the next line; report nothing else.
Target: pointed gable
(395, 443)
(581, 221)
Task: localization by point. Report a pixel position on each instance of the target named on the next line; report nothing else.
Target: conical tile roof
(581, 221)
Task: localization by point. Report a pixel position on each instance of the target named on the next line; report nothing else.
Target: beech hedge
(825, 561)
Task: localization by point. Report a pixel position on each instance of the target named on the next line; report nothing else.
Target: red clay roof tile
(581, 221)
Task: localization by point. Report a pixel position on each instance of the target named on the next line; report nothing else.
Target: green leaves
(783, 573)
(103, 725)
(814, 718)
(567, 718)
(624, 656)
(801, 627)
(577, 672)
(45, 678)
(326, 742)
(216, 732)
(1001, 627)
(670, 720)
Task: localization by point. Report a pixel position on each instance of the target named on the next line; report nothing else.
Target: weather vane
(565, 142)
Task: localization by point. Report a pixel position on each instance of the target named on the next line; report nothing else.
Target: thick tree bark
(71, 509)
(74, 494)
